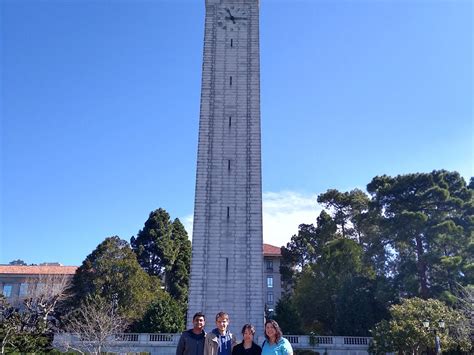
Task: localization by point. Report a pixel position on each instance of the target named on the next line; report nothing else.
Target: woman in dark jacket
(247, 346)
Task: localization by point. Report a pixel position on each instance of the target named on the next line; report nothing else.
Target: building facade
(227, 265)
(18, 283)
(272, 289)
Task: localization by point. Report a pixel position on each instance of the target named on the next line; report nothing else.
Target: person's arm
(180, 348)
(287, 348)
(207, 345)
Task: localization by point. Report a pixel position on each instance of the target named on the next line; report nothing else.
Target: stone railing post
(338, 342)
(143, 338)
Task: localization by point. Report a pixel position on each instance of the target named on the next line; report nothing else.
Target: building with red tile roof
(18, 282)
(271, 250)
(271, 276)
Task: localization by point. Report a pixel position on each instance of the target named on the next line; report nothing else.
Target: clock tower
(227, 260)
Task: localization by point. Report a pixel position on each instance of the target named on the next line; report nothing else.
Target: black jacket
(190, 343)
(240, 350)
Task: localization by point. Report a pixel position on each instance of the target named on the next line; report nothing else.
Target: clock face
(232, 18)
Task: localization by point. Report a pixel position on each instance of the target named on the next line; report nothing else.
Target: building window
(230, 121)
(39, 289)
(228, 212)
(23, 289)
(230, 81)
(269, 264)
(228, 164)
(270, 281)
(7, 290)
(231, 42)
(270, 298)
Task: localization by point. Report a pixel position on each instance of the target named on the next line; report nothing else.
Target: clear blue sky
(100, 107)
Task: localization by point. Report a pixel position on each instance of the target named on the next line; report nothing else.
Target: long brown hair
(277, 328)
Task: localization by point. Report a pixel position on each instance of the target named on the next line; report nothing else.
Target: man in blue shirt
(220, 341)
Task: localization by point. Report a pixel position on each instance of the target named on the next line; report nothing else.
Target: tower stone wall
(227, 262)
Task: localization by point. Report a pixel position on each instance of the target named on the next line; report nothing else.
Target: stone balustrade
(307, 341)
(165, 344)
(331, 344)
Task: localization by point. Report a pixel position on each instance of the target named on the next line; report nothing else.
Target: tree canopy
(164, 250)
(163, 316)
(427, 220)
(112, 272)
(409, 236)
(405, 332)
(17, 262)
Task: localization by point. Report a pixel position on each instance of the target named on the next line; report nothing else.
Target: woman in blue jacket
(274, 343)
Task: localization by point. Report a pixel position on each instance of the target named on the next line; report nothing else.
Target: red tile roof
(271, 250)
(38, 270)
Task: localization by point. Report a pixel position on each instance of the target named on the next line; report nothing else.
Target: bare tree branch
(37, 319)
(93, 325)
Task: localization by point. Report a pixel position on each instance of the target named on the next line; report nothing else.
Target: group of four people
(220, 341)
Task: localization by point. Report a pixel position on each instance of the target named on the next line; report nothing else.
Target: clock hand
(230, 15)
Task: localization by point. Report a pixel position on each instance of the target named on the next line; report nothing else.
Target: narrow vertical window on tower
(228, 212)
(230, 121)
(230, 81)
(228, 165)
(231, 42)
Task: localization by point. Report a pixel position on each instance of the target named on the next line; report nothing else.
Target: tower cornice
(223, 2)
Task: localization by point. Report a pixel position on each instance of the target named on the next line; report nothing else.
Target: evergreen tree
(17, 262)
(427, 219)
(154, 244)
(287, 316)
(412, 237)
(360, 303)
(178, 277)
(163, 316)
(112, 272)
(348, 209)
(305, 248)
(322, 284)
(163, 249)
